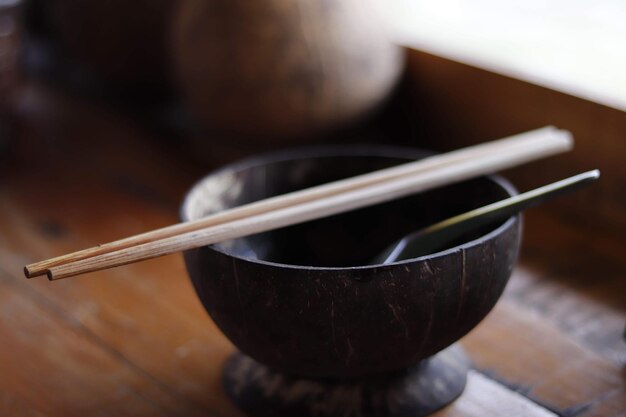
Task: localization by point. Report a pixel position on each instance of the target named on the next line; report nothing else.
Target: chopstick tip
(594, 173)
(33, 271)
(566, 136)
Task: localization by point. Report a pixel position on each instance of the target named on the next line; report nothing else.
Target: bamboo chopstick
(347, 195)
(297, 197)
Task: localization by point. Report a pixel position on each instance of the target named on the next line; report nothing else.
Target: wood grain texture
(485, 397)
(455, 104)
(584, 295)
(538, 361)
(136, 341)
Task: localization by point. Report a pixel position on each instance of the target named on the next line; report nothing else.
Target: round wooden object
(417, 391)
(282, 69)
(302, 299)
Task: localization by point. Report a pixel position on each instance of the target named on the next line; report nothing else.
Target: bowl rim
(320, 151)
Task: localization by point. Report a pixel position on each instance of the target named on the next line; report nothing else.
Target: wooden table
(135, 341)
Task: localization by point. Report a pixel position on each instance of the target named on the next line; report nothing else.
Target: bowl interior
(345, 240)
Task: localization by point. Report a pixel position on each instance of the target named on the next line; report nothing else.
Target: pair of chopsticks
(312, 203)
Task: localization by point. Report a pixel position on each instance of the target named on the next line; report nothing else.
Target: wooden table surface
(135, 341)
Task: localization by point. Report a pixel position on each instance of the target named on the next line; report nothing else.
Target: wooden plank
(50, 367)
(141, 329)
(127, 308)
(583, 317)
(453, 104)
(128, 313)
(157, 322)
(487, 398)
(520, 349)
(575, 280)
(564, 309)
(614, 404)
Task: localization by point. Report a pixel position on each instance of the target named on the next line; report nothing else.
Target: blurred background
(110, 110)
(218, 82)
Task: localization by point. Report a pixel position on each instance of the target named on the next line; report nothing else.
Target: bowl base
(416, 391)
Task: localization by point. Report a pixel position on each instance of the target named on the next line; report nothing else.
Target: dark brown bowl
(298, 300)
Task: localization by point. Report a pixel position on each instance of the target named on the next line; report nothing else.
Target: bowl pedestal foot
(416, 391)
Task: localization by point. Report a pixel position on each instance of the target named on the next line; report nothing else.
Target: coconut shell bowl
(319, 331)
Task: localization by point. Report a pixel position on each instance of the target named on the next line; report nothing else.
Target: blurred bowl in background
(281, 70)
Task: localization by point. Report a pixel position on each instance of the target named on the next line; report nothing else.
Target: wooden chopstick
(297, 197)
(441, 170)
